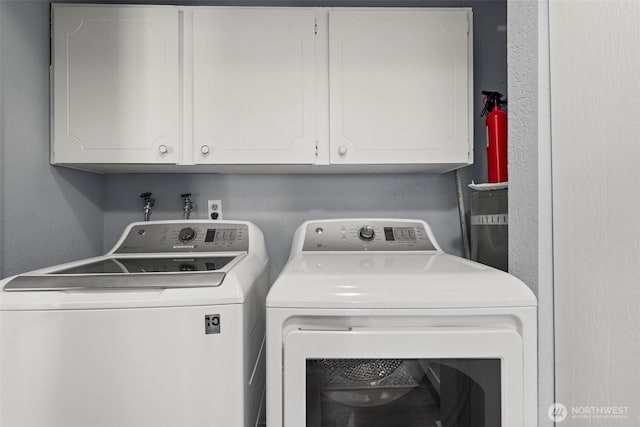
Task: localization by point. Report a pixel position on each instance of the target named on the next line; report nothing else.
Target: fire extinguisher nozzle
(491, 100)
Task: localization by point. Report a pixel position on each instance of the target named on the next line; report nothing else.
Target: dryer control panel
(367, 235)
(187, 236)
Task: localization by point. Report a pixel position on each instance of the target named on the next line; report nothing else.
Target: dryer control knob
(366, 233)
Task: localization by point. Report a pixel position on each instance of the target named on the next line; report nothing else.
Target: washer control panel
(186, 237)
(363, 235)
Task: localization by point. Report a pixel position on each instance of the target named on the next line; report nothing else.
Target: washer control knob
(342, 150)
(366, 233)
(187, 234)
(163, 149)
(204, 149)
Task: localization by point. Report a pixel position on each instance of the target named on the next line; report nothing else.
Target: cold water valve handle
(188, 206)
(149, 204)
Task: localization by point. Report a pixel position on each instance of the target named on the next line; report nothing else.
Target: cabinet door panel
(254, 85)
(400, 87)
(115, 84)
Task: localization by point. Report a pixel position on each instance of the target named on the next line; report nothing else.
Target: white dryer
(371, 324)
(167, 329)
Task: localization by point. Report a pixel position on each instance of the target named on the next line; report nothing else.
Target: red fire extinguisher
(496, 136)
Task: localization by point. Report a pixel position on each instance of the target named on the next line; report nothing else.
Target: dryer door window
(403, 392)
(439, 377)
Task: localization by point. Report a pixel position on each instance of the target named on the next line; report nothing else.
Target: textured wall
(523, 140)
(49, 215)
(530, 238)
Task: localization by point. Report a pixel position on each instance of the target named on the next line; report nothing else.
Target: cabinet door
(115, 84)
(400, 86)
(254, 85)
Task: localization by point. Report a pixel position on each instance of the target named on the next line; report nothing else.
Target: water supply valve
(149, 204)
(188, 206)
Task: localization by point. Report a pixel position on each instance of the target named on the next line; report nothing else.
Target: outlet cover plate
(214, 209)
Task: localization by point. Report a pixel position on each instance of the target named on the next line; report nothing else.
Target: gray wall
(279, 203)
(48, 215)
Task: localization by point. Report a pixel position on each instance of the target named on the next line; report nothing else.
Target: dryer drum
(366, 382)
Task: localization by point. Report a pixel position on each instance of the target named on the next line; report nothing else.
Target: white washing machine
(371, 324)
(167, 329)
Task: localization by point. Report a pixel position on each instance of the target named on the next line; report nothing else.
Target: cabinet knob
(204, 149)
(342, 150)
(163, 149)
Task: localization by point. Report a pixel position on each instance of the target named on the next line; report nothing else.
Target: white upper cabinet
(400, 86)
(255, 89)
(115, 84)
(254, 85)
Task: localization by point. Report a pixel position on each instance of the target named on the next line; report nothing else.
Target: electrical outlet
(214, 209)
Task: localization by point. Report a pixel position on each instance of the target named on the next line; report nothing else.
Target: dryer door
(440, 377)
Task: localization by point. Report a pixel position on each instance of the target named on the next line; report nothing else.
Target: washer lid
(113, 282)
(146, 265)
(110, 273)
(394, 280)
